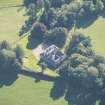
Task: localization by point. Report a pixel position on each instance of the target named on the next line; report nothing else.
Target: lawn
(25, 91)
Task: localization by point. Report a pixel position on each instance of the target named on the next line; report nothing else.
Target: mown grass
(26, 92)
(10, 19)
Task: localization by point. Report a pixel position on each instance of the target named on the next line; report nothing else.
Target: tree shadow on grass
(36, 75)
(7, 78)
(33, 43)
(75, 94)
(87, 21)
(58, 89)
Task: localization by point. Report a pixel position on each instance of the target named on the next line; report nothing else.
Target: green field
(10, 19)
(24, 91)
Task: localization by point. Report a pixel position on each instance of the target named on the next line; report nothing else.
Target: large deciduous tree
(57, 36)
(9, 59)
(80, 44)
(38, 31)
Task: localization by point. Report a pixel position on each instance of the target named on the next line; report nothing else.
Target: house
(53, 56)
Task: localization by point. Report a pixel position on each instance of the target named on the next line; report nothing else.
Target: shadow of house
(52, 56)
(59, 89)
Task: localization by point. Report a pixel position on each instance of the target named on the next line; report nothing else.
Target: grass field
(10, 19)
(26, 92)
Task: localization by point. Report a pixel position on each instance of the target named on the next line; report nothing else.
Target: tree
(5, 45)
(101, 68)
(62, 21)
(57, 36)
(38, 31)
(83, 67)
(84, 76)
(7, 59)
(93, 71)
(40, 4)
(65, 13)
(47, 5)
(98, 59)
(77, 59)
(32, 10)
(49, 17)
(99, 6)
(26, 3)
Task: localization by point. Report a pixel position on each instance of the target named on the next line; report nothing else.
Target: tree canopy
(10, 58)
(62, 13)
(83, 68)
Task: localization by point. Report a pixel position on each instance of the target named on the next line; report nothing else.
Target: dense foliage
(10, 59)
(45, 16)
(80, 44)
(57, 36)
(62, 13)
(84, 68)
(38, 31)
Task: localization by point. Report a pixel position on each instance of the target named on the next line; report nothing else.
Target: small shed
(53, 56)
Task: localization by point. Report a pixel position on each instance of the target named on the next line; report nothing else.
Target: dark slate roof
(53, 55)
